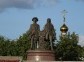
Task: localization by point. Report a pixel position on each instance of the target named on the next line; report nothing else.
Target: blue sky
(16, 16)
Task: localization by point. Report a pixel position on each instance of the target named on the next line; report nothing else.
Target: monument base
(38, 55)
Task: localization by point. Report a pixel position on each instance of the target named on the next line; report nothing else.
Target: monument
(41, 41)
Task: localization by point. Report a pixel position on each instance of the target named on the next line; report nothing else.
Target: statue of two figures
(42, 40)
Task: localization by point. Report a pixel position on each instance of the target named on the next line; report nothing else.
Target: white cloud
(81, 40)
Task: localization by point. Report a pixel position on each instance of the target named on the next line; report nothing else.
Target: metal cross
(64, 12)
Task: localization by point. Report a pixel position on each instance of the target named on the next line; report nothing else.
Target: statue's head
(35, 19)
(48, 20)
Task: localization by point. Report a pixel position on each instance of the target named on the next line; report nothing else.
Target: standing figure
(34, 33)
(50, 33)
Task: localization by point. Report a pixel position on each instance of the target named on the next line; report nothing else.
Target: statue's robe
(34, 35)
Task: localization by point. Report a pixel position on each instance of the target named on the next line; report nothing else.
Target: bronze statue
(44, 39)
(34, 33)
(50, 34)
(43, 45)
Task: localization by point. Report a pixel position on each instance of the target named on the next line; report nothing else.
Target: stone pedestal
(38, 55)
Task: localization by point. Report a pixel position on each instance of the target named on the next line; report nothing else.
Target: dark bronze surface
(41, 41)
(33, 33)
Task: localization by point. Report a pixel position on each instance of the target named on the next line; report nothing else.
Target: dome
(64, 28)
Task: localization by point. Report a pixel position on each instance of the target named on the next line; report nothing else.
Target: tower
(64, 27)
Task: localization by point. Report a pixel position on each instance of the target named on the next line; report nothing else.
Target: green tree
(17, 47)
(23, 45)
(82, 54)
(4, 43)
(67, 48)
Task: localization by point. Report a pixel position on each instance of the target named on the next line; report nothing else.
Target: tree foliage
(17, 47)
(67, 48)
(23, 44)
